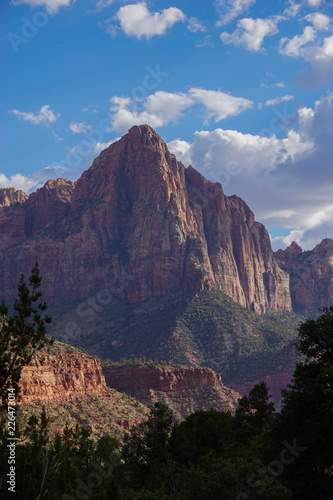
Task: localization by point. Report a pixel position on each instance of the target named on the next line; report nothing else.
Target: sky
(240, 89)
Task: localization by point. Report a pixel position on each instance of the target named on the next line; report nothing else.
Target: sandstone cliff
(139, 224)
(9, 196)
(183, 388)
(311, 276)
(61, 374)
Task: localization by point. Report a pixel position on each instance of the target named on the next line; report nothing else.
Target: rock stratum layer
(166, 379)
(139, 224)
(183, 388)
(311, 275)
(61, 374)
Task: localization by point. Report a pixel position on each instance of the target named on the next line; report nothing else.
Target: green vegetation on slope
(194, 328)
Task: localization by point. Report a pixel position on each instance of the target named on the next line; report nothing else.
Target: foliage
(23, 333)
(205, 329)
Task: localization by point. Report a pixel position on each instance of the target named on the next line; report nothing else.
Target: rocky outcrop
(183, 388)
(139, 224)
(160, 378)
(61, 374)
(9, 196)
(311, 276)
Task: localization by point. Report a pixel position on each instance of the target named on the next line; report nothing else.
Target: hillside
(71, 386)
(199, 329)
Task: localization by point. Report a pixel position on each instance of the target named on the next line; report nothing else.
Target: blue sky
(241, 89)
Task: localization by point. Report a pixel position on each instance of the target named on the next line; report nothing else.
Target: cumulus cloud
(228, 10)
(29, 183)
(293, 47)
(250, 33)
(162, 108)
(318, 20)
(320, 72)
(52, 6)
(315, 50)
(182, 150)
(79, 127)
(136, 20)
(157, 110)
(44, 117)
(287, 182)
(219, 104)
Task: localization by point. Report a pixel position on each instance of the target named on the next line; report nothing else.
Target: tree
(23, 333)
(254, 411)
(147, 449)
(316, 338)
(307, 411)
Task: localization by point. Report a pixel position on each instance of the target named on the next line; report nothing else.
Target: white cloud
(219, 104)
(279, 84)
(196, 26)
(277, 100)
(52, 6)
(293, 9)
(319, 54)
(293, 47)
(136, 20)
(44, 117)
(318, 20)
(228, 10)
(250, 33)
(100, 146)
(182, 150)
(162, 108)
(29, 183)
(314, 3)
(103, 4)
(79, 127)
(157, 110)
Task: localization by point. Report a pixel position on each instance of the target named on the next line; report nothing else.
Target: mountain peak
(138, 225)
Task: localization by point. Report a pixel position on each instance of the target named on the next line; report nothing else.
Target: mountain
(311, 276)
(138, 224)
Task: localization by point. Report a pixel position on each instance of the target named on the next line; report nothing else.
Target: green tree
(307, 412)
(147, 449)
(255, 411)
(23, 333)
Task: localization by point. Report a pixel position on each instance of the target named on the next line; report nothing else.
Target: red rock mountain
(311, 275)
(140, 224)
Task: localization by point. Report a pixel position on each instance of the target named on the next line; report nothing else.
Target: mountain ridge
(138, 224)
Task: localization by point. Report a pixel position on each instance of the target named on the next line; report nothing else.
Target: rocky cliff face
(9, 196)
(61, 374)
(160, 378)
(139, 224)
(311, 276)
(183, 388)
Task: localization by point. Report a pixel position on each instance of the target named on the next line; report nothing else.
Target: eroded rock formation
(311, 276)
(139, 224)
(61, 374)
(183, 388)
